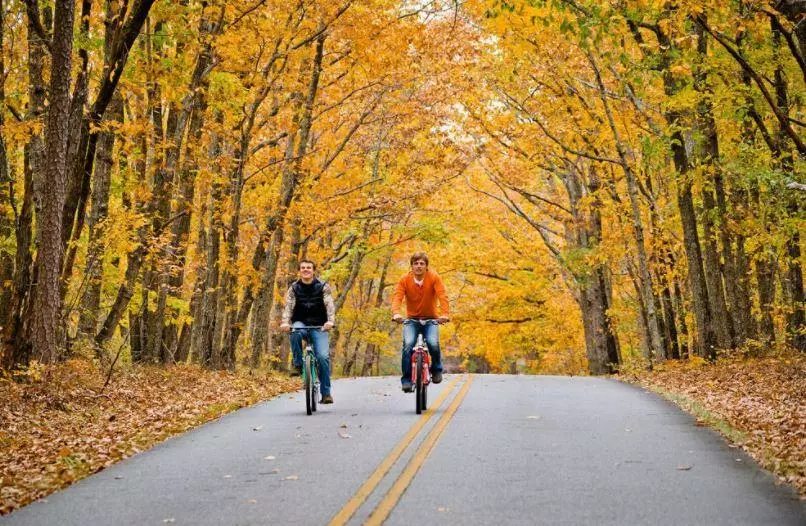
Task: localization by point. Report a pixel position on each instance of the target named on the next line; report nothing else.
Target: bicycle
(420, 367)
(310, 368)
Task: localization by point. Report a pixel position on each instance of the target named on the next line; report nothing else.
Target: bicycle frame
(420, 349)
(310, 366)
(420, 376)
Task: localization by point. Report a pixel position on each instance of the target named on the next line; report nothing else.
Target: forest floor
(55, 432)
(757, 403)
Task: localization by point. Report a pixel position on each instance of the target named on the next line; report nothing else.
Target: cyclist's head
(306, 262)
(419, 256)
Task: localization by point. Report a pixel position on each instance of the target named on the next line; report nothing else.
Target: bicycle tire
(309, 395)
(315, 382)
(425, 396)
(419, 384)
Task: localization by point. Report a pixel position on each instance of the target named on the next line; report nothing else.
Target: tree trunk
(792, 277)
(292, 173)
(119, 39)
(6, 190)
(16, 334)
(47, 302)
(645, 288)
(707, 157)
(93, 274)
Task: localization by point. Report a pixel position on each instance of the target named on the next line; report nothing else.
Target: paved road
(501, 449)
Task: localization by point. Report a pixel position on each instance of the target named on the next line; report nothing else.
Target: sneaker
(296, 370)
(407, 386)
(436, 377)
(326, 399)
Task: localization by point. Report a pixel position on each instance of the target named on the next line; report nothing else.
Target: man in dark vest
(309, 303)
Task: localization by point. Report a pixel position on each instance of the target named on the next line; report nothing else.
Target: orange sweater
(421, 300)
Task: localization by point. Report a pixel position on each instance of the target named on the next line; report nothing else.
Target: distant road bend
(491, 450)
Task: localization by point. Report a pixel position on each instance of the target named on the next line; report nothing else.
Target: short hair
(299, 266)
(417, 256)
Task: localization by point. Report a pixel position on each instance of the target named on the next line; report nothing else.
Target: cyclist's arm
(290, 303)
(442, 296)
(330, 307)
(397, 297)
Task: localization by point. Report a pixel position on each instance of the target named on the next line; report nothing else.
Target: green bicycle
(310, 366)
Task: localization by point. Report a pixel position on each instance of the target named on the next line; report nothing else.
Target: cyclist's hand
(285, 327)
(443, 319)
(397, 318)
(327, 326)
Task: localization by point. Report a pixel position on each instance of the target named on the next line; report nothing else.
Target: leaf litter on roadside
(758, 403)
(57, 432)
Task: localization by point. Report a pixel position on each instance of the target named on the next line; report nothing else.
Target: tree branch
(782, 119)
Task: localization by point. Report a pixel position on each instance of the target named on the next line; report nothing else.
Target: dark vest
(310, 302)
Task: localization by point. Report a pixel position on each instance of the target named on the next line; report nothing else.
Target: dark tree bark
(7, 204)
(792, 277)
(645, 288)
(47, 303)
(706, 337)
(706, 341)
(371, 354)
(16, 334)
(80, 165)
(706, 156)
(206, 317)
(93, 274)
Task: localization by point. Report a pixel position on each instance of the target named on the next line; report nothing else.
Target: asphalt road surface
(491, 450)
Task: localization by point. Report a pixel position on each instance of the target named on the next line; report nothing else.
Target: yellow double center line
(393, 495)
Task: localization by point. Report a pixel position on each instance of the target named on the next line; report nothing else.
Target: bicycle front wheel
(419, 387)
(310, 397)
(424, 403)
(315, 382)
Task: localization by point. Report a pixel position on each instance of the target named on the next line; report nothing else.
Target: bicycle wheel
(310, 399)
(315, 382)
(424, 404)
(419, 387)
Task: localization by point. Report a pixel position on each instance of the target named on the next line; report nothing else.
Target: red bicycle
(420, 367)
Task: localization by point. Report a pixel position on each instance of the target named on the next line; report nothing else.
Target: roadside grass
(59, 425)
(704, 416)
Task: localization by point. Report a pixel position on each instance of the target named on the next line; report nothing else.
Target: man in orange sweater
(422, 288)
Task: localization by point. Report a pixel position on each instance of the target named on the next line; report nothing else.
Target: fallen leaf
(291, 477)
(683, 468)
(169, 520)
(269, 457)
(251, 501)
(533, 417)
(345, 435)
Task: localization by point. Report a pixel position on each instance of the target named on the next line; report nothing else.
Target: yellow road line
(388, 503)
(369, 486)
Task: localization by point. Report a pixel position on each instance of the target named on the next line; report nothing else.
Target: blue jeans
(430, 332)
(320, 341)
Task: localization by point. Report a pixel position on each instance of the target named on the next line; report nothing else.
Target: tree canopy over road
(599, 183)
